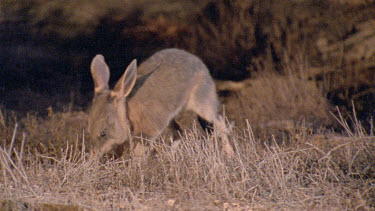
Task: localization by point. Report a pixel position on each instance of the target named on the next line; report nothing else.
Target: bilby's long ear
(100, 73)
(126, 83)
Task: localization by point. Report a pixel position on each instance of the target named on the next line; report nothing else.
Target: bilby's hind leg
(203, 101)
(221, 129)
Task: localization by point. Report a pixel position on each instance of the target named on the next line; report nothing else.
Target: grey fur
(170, 81)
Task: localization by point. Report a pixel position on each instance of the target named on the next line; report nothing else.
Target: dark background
(46, 46)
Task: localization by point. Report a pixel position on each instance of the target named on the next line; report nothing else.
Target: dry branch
(356, 47)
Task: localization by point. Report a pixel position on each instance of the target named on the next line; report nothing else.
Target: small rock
(170, 202)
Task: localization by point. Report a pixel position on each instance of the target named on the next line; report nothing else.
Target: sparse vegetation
(279, 163)
(313, 171)
(303, 117)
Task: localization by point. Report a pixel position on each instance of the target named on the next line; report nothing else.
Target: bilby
(171, 81)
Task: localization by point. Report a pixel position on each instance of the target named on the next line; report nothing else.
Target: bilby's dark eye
(102, 134)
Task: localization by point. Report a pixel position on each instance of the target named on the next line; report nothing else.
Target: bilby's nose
(94, 154)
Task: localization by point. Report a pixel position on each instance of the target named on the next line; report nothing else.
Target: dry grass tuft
(321, 171)
(281, 104)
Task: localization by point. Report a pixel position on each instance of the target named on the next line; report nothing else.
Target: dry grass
(321, 171)
(44, 162)
(73, 18)
(278, 105)
(283, 159)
